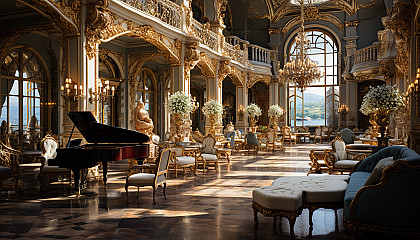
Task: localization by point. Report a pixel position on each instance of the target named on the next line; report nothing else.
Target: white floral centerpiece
(379, 102)
(212, 107)
(253, 112)
(180, 103)
(273, 113)
(381, 98)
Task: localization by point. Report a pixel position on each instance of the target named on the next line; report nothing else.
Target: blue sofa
(392, 205)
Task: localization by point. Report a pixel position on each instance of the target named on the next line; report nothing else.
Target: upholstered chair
(180, 160)
(49, 151)
(318, 135)
(209, 153)
(347, 136)
(326, 133)
(288, 135)
(155, 179)
(253, 143)
(272, 143)
(339, 159)
(9, 168)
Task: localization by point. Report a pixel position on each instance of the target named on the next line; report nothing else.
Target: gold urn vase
(212, 120)
(178, 121)
(252, 122)
(382, 120)
(274, 120)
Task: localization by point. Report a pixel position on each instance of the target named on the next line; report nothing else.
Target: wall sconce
(343, 109)
(70, 91)
(241, 112)
(101, 92)
(413, 88)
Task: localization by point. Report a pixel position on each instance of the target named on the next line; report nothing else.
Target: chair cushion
(376, 175)
(210, 157)
(141, 179)
(185, 160)
(6, 170)
(347, 164)
(54, 169)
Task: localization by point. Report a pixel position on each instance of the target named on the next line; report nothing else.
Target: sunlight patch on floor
(143, 213)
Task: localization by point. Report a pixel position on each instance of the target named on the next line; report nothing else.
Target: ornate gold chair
(49, 151)
(180, 160)
(318, 135)
(288, 135)
(209, 153)
(155, 179)
(339, 160)
(9, 168)
(318, 164)
(272, 143)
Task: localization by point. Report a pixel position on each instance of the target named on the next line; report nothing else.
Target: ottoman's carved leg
(311, 224)
(292, 220)
(255, 215)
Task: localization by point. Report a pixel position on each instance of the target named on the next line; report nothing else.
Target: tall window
(146, 91)
(318, 104)
(22, 91)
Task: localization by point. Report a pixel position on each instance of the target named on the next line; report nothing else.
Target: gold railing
(367, 54)
(165, 10)
(207, 36)
(235, 52)
(259, 54)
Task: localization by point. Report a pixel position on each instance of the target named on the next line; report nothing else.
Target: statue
(143, 123)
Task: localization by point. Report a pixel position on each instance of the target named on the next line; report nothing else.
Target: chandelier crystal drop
(301, 71)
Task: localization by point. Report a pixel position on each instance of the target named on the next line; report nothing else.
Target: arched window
(318, 104)
(146, 91)
(22, 91)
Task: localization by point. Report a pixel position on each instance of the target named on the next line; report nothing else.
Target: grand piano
(105, 143)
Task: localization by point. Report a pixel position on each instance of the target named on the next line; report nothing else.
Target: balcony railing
(367, 54)
(259, 54)
(207, 36)
(165, 10)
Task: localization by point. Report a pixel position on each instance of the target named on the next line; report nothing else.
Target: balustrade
(165, 10)
(367, 54)
(207, 36)
(259, 54)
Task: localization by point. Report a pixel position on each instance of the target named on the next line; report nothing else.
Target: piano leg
(76, 174)
(104, 171)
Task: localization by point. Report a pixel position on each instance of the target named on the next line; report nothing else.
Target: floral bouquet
(253, 110)
(180, 103)
(275, 111)
(381, 98)
(212, 107)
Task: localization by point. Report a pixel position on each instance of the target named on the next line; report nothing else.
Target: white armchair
(209, 153)
(339, 159)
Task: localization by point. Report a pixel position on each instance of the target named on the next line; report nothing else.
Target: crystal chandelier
(301, 71)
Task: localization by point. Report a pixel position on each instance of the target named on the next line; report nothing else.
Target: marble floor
(207, 206)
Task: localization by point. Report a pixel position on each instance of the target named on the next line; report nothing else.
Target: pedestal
(382, 142)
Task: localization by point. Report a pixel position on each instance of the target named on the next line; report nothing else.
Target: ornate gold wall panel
(136, 61)
(254, 78)
(312, 14)
(105, 53)
(224, 70)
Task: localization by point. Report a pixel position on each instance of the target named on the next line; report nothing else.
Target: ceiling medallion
(301, 71)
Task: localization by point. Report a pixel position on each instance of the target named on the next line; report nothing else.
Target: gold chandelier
(301, 71)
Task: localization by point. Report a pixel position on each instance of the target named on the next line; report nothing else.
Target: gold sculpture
(144, 123)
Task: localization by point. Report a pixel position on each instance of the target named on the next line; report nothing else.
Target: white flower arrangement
(253, 110)
(383, 97)
(275, 111)
(212, 107)
(180, 103)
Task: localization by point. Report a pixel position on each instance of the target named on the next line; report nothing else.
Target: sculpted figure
(144, 123)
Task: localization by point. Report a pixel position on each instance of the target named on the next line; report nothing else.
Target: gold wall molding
(105, 53)
(237, 77)
(65, 15)
(312, 14)
(191, 58)
(9, 36)
(224, 70)
(253, 78)
(137, 61)
(206, 65)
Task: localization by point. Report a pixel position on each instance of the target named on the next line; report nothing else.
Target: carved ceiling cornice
(65, 15)
(312, 14)
(255, 77)
(206, 65)
(224, 70)
(101, 26)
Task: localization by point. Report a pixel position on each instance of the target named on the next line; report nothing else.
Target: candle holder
(413, 88)
(70, 91)
(343, 109)
(101, 92)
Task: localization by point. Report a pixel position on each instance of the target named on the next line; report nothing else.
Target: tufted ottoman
(287, 196)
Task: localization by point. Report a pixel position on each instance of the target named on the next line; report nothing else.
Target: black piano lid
(95, 132)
